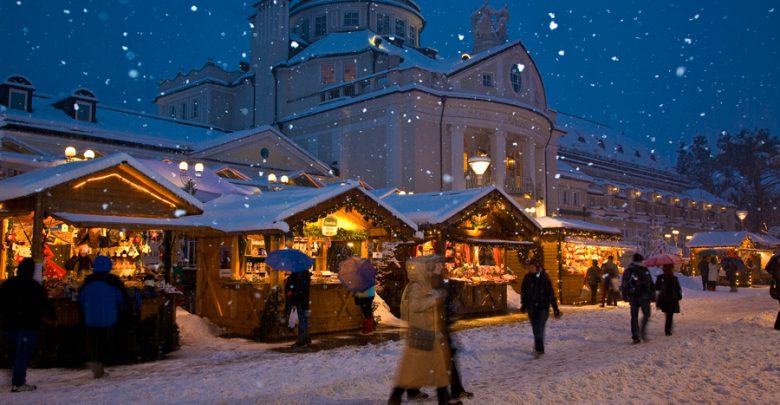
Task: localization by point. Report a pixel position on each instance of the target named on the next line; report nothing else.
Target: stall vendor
(80, 262)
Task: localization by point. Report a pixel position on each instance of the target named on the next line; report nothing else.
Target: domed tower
(270, 44)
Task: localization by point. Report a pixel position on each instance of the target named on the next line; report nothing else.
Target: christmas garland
(341, 234)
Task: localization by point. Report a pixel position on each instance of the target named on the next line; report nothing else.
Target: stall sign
(376, 255)
(225, 273)
(330, 226)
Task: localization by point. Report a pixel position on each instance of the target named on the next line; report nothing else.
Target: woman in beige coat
(425, 360)
(713, 274)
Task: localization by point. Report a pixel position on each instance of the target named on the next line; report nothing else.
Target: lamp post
(742, 214)
(479, 164)
(676, 234)
(70, 153)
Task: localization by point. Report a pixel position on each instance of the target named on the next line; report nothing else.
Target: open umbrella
(290, 260)
(738, 264)
(661, 259)
(708, 252)
(357, 274)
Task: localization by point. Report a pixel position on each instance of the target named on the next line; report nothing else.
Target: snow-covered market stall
(484, 236)
(570, 245)
(59, 217)
(239, 292)
(753, 249)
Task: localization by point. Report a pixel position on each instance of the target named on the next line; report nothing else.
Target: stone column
(456, 152)
(498, 157)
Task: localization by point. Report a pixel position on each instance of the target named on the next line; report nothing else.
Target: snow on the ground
(512, 298)
(724, 350)
(386, 317)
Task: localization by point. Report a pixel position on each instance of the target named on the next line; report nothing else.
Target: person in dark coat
(536, 297)
(80, 262)
(669, 295)
(773, 268)
(593, 278)
(23, 305)
(104, 301)
(609, 295)
(639, 291)
(704, 269)
(731, 274)
(297, 287)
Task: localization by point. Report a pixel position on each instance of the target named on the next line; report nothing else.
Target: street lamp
(479, 164)
(199, 169)
(89, 154)
(676, 234)
(742, 214)
(184, 166)
(70, 153)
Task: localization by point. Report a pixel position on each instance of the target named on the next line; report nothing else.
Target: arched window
(514, 76)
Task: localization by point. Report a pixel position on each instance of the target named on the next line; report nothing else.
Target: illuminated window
(350, 71)
(328, 73)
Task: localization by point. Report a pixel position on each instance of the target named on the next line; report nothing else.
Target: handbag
(421, 339)
(293, 318)
(773, 291)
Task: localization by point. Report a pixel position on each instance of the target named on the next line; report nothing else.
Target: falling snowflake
(194, 8)
(133, 73)
(688, 41)
(520, 67)
(615, 59)
(680, 71)
(561, 52)
(553, 25)
(461, 37)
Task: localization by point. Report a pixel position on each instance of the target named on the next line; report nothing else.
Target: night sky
(653, 69)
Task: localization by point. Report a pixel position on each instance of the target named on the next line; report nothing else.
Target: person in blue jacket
(104, 302)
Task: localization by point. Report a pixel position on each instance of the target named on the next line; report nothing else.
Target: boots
(368, 326)
(443, 397)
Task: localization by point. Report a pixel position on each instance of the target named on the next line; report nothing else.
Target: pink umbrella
(661, 259)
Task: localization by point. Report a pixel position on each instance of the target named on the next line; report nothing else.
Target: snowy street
(724, 350)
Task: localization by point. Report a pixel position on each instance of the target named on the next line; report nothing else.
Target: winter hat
(101, 264)
(638, 257)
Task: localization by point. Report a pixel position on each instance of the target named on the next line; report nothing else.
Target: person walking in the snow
(731, 274)
(704, 270)
(425, 360)
(610, 274)
(104, 302)
(23, 305)
(669, 295)
(773, 268)
(593, 279)
(365, 301)
(536, 297)
(639, 291)
(297, 287)
(713, 274)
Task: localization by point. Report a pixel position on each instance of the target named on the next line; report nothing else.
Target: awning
(101, 221)
(595, 242)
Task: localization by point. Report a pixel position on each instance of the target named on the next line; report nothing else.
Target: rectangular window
(195, 109)
(351, 19)
(333, 94)
(350, 71)
(172, 112)
(576, 197)
(18, 100)
(400, 28)
(383, 24)
(565, 197)
(184, 111)
(487, 80)
(413, 35)
(303, 27)
(349, 91)
(320, 25)
(328, 73)
(83, 111)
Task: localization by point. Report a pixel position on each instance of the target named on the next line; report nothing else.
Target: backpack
(638, 284)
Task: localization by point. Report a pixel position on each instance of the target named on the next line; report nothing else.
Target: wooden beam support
(37, 236)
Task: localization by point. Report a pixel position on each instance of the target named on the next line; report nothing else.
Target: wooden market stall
(236, 290)
(754, 249)
(485, 238)
(107, 206)
(570, 245)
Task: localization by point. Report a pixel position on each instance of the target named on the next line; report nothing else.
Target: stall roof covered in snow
(30, 183)
(437, 207)
(268, 211)
(731, 239)
(575, 224)
(208, 185)
(115, 124)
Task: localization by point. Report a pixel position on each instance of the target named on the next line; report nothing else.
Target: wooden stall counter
(485, 297)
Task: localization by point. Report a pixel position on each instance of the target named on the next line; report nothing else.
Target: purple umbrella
(290, 260)
(357, 274)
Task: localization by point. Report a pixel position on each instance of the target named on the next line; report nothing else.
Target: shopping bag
(421, 339)
(293, 318)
